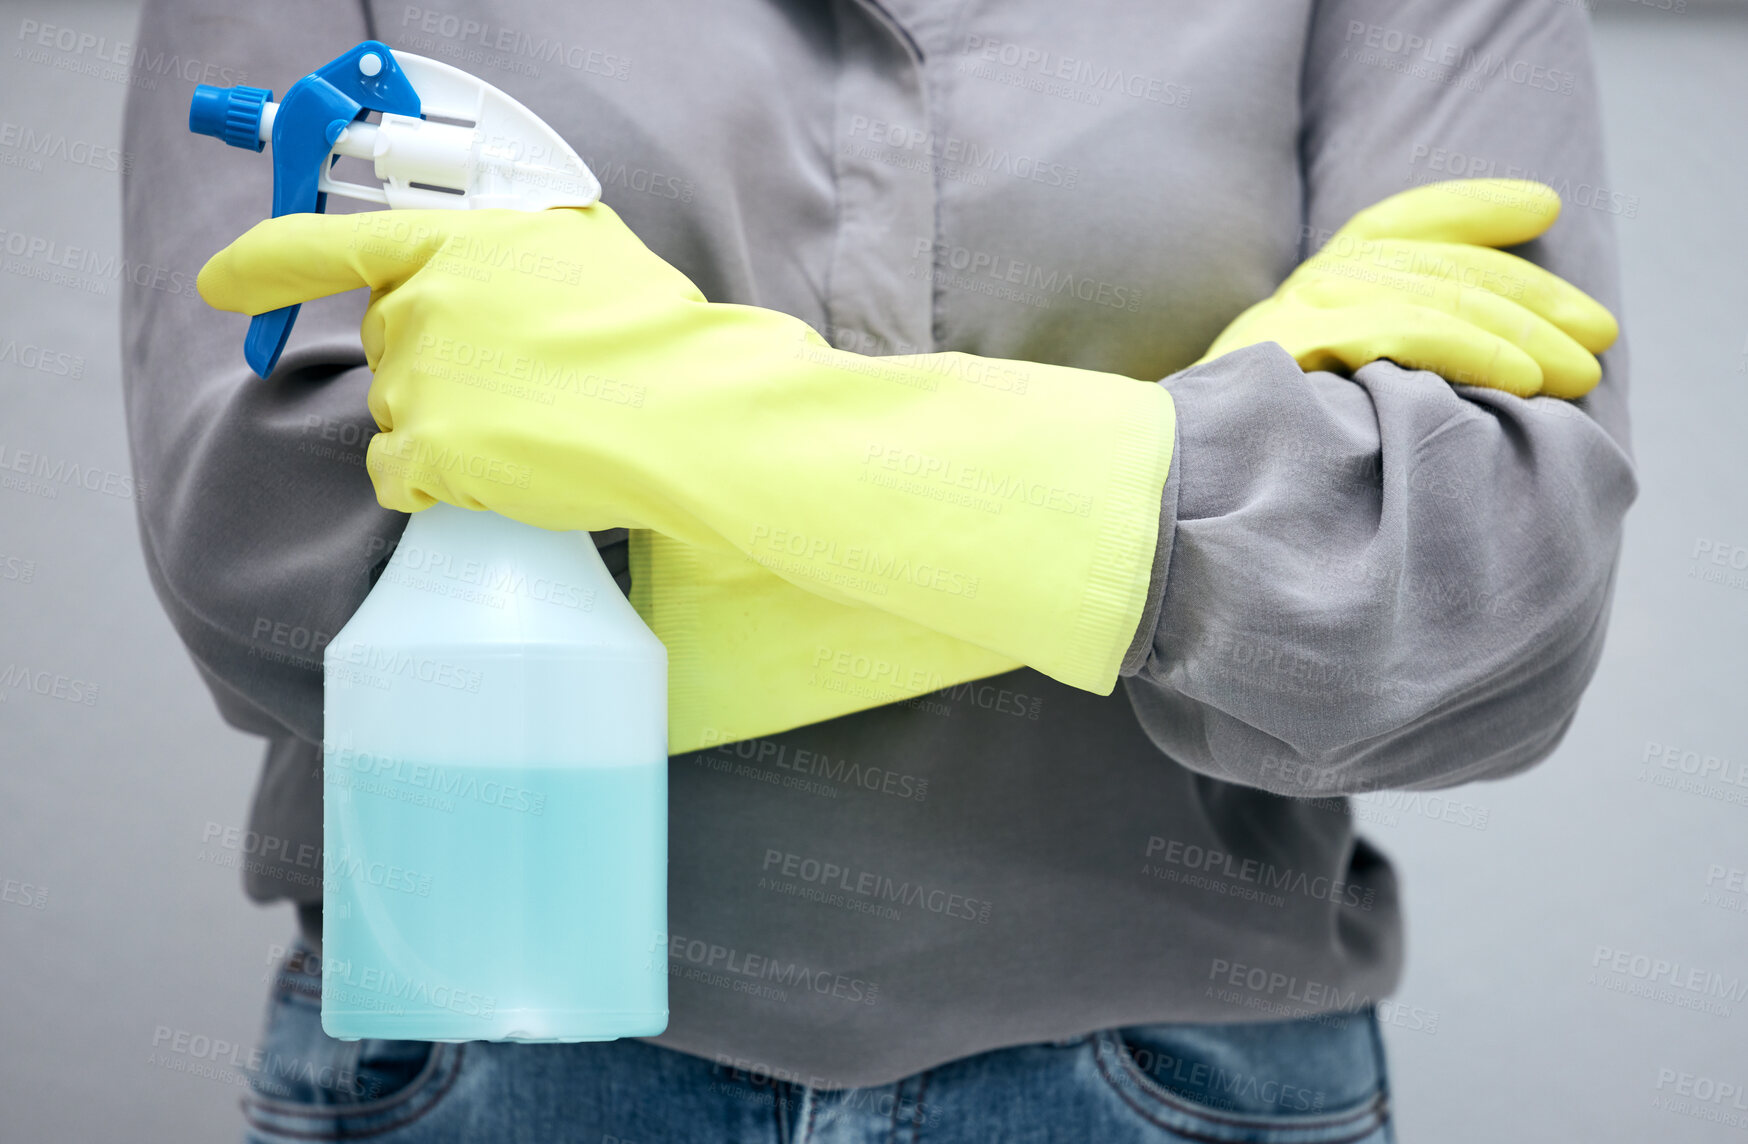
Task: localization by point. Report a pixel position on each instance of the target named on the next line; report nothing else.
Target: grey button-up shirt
(1373, 582)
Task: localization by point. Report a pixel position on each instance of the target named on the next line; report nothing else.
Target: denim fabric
(1319, 1080)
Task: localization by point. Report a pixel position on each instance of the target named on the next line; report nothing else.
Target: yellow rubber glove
(1415, 279)
(751, 654)
(548, 366)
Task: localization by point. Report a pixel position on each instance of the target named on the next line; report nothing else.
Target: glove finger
(1417, 337)
(381, 408)
(298, 257)
(1535, 288)
(1485, 212)
(1395, 266)
(373, 331)
(1568, 369)
(399, 479)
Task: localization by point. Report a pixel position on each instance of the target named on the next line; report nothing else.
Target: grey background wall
(132, 970)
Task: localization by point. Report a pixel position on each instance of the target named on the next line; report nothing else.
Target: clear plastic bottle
(495, 799)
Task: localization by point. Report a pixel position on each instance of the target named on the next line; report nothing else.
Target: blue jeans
(1313, 1081)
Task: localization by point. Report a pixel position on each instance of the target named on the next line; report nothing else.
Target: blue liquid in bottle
(495, 796)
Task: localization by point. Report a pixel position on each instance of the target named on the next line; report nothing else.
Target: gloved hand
(547, 366)
(1414, 279)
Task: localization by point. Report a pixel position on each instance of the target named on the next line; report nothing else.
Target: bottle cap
(229, 113)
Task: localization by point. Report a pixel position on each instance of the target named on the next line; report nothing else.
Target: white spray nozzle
(475, 148)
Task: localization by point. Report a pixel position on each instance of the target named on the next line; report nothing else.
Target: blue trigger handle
(267, 337)
(315, 110)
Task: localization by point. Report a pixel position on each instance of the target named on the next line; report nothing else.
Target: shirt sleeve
(258, 521)
(260, 526)
(1388, 581)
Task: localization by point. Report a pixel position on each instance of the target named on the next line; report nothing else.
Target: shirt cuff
(1136, 656)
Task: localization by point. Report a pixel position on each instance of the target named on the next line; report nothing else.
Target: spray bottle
(495, 734)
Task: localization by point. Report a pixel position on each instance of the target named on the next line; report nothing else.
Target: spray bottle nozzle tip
(229, 113)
